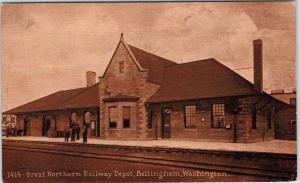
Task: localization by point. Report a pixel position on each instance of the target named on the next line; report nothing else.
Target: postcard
(149, 92)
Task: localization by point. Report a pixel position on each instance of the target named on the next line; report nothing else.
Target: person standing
(73, 132)
(85, 133)
(77, 131)
(67, 135)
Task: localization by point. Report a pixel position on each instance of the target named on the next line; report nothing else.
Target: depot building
(143, 96)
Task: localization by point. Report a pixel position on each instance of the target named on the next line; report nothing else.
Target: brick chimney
(90, 78)
(258, 64)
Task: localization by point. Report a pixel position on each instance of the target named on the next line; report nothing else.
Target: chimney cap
(91, 72)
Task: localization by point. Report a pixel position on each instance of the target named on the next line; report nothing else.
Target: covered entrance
(166, 123)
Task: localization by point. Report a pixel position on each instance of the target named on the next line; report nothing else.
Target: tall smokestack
(90, 78)
(258, 64)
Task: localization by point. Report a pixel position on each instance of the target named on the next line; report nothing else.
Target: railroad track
(259, 164)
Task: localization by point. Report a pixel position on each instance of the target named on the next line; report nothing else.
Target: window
(270, 119)
(121, 67)
(73, 117)
(254, 117)
(218, 115)
(126, 117)
(190, 116)
(293, 127)
(293, 101)
(87, 117)
(113, 116)
(150, 112)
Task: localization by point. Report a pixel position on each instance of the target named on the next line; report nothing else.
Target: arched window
(73, 117)
(87, 117)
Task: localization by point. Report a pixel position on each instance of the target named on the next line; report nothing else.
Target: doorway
(166, 123)
(46, 126)
(26, 130)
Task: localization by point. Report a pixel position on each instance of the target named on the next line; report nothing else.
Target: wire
(243, 68)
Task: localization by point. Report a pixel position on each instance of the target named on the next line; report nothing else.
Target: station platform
(272, 146)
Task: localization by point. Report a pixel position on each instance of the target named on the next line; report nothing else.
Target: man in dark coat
(67, 135)
(85, 132)
(73, 132)
(77, 131)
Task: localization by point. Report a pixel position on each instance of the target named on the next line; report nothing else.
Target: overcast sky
(49, 47)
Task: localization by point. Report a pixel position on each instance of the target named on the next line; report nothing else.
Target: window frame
(123, 118)
(270, 119)
(292, 130)
(73, 118)
(85, 118)
(110, 122)
(121, 67)
(191, 125)
(213, 115)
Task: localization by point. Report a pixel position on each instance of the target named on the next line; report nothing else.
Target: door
(26, 130)
(166, 123)
(46, 127)
(293, 129)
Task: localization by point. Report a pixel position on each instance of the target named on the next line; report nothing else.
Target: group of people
(11, 131)
(74, 132)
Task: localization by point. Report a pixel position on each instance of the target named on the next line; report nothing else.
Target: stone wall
(120, 132)
(133, 82)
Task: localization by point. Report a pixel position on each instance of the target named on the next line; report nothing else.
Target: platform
(272, 146)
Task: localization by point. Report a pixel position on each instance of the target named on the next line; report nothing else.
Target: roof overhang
(121, 98)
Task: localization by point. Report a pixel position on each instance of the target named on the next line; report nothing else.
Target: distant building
(144, 96)
(286, 126)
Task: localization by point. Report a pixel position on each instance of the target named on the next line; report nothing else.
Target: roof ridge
(70, 89)
(191, 62)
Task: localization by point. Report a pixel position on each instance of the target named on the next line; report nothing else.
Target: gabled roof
(74, 98)
(155, 64)
(201, 79)
(145, 61)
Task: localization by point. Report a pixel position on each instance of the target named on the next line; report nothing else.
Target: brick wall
(283, 124)
(203, 130)
(61, 118)
(35, 127)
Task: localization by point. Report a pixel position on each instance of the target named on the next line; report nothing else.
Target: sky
(49, 47)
